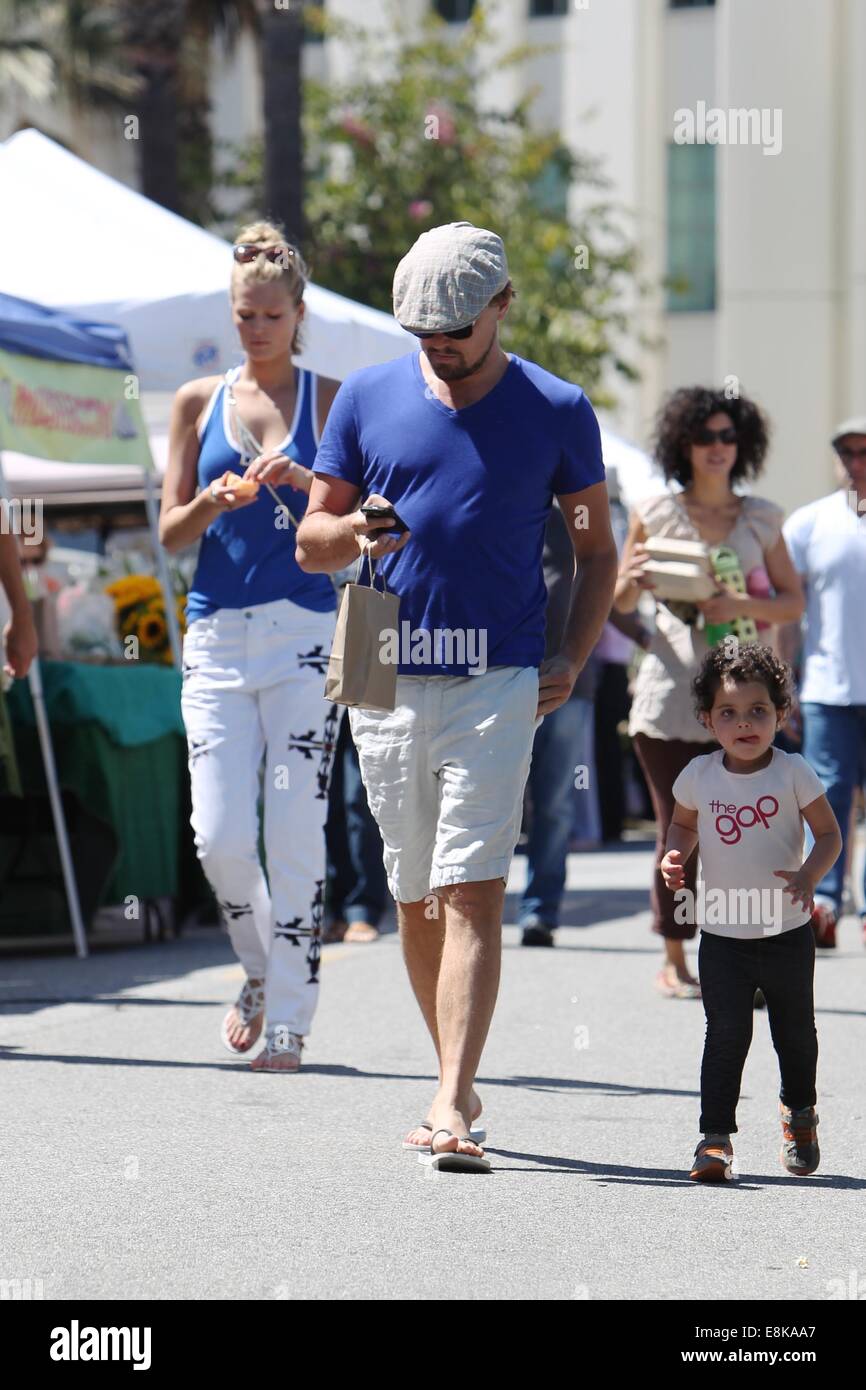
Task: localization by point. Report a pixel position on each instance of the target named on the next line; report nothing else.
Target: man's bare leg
(422, 936)
(465, 998)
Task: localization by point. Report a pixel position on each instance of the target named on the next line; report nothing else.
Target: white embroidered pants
(259, 729)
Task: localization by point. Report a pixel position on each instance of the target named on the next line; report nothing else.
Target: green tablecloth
(119, 743)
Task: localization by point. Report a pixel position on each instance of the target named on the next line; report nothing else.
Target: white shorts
(445, 774)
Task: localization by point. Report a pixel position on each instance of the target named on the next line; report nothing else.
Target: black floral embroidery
(317, 659)
(291, 931)
(198, 747)
(329, 743)
(233, 910)
(304, 743)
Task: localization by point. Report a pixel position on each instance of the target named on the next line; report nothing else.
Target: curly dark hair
(751, 663)
(684, 413)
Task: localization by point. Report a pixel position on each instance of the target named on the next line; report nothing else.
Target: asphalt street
(140, 1160)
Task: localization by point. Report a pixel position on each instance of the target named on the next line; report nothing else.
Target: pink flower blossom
(420, 208)
(357, 130)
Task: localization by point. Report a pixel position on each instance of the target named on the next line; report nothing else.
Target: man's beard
(456, 371)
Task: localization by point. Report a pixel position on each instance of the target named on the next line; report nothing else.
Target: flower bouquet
(140, 614)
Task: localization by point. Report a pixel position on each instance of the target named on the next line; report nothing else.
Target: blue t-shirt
(247, 556)
(475, 487)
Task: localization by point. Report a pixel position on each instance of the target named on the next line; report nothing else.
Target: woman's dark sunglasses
(245, 251)
(453, 333)
(703, 438)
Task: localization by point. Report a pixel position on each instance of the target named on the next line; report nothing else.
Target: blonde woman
(256, 647)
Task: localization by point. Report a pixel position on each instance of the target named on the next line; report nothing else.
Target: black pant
(731, 970)
(357, 888)
(612, 704)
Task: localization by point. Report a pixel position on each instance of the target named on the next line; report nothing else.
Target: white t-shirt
(749, 824)
(827, 541)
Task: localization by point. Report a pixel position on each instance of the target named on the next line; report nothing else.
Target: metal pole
(34, 676)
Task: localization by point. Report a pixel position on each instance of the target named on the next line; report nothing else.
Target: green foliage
(405, 144)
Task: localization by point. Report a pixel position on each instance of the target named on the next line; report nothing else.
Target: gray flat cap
(856, 425)
(448, 277)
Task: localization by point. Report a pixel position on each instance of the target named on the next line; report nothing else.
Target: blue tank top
(247, 556)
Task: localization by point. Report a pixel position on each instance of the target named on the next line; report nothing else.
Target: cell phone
(376, 512)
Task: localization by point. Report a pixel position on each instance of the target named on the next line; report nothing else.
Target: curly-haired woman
(707, 444)
(256, 648)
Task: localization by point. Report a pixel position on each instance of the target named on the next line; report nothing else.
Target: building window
(540, 9)
(691, 260)
(454, 11)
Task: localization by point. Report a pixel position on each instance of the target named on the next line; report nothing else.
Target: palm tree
(152, 37)
(204, 20)
(67, 47)
(281, 37)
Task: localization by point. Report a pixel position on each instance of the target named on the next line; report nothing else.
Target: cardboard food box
(679, 569)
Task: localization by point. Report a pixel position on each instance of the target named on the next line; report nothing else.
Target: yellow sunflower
(152, 629)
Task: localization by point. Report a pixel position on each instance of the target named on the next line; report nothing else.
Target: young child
(744, 805)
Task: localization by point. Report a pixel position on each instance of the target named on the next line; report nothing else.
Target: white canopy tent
(74, 238)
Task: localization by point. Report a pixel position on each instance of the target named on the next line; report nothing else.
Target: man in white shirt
(827, 542)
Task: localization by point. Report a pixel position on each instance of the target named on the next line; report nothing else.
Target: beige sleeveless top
(662, 706)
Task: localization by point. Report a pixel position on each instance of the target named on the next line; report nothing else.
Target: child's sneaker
(713, 1159)
(824, 926)
(800, 1154)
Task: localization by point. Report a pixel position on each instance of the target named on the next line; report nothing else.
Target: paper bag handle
(365, 555)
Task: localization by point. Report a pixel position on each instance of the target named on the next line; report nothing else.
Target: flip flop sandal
(476, 1134)
(249, 1004)
(453, 1161)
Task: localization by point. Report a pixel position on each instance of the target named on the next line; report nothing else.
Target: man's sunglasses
(246, 251)
(703, 438)
(848, 455)
(458, 333)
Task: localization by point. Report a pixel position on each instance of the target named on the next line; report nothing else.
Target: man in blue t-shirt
(469, 445)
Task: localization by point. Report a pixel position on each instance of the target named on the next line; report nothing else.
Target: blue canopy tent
(69, 392)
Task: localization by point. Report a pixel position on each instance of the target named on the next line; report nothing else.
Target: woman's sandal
(249, 1005)
(452, 1160)
(683, 989)
(361, 932)
(476, 1134)
(274, 1048)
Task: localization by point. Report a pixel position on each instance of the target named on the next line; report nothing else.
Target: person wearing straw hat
(469, 445)
(257, 647)
(827, 541)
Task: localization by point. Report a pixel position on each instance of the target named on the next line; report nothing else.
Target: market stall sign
(71, 411)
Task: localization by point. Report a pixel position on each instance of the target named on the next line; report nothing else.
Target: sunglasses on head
(705, 437)
(458, 333)
(246, 251)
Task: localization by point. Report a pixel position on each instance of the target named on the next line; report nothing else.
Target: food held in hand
(241, 487)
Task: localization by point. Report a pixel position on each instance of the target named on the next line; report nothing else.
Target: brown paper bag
(356, 673)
